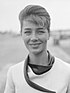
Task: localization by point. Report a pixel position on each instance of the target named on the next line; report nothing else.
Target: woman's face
(35, 37)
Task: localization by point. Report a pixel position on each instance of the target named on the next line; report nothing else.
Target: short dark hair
(38, 14)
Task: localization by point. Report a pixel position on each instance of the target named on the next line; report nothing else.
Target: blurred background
(12, 48)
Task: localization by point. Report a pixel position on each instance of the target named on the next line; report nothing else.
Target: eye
(27, 32)
(41, 32)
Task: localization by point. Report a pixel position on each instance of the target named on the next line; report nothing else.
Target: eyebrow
(27, 28)
(40, 28)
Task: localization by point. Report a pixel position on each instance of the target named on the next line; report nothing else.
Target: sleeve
(9, 88)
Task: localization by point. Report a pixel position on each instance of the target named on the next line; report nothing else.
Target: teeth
(35, 44)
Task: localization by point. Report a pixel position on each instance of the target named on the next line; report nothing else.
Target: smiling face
(35, 37)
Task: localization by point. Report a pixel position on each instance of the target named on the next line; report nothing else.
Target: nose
(34, 37)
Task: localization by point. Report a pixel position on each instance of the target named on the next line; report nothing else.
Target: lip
(35, 44)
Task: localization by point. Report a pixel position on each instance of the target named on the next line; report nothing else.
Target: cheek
(44, 39)
(25, 39)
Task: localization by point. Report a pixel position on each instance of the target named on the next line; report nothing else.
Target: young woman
(40, 71)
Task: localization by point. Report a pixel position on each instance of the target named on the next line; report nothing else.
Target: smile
(35, 45)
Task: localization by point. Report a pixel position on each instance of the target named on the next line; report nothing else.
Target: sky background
(59, 11)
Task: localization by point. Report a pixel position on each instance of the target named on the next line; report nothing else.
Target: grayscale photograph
(34, 46)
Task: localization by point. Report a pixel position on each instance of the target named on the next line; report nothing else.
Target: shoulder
(62, 69)
(16, 68)
(18, 65)
(62, 65)
(61, 62)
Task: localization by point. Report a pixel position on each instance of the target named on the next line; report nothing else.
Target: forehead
(30, 24)
(33, 22)
(35, 19)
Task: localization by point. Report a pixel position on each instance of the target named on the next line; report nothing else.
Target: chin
(36, 52)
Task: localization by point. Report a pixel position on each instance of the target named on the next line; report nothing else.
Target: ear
(48, 35)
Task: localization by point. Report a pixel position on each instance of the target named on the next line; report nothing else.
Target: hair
(36, 14)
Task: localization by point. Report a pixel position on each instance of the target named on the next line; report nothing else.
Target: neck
(40, 59)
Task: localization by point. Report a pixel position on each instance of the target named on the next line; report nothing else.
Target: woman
(40, 71)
